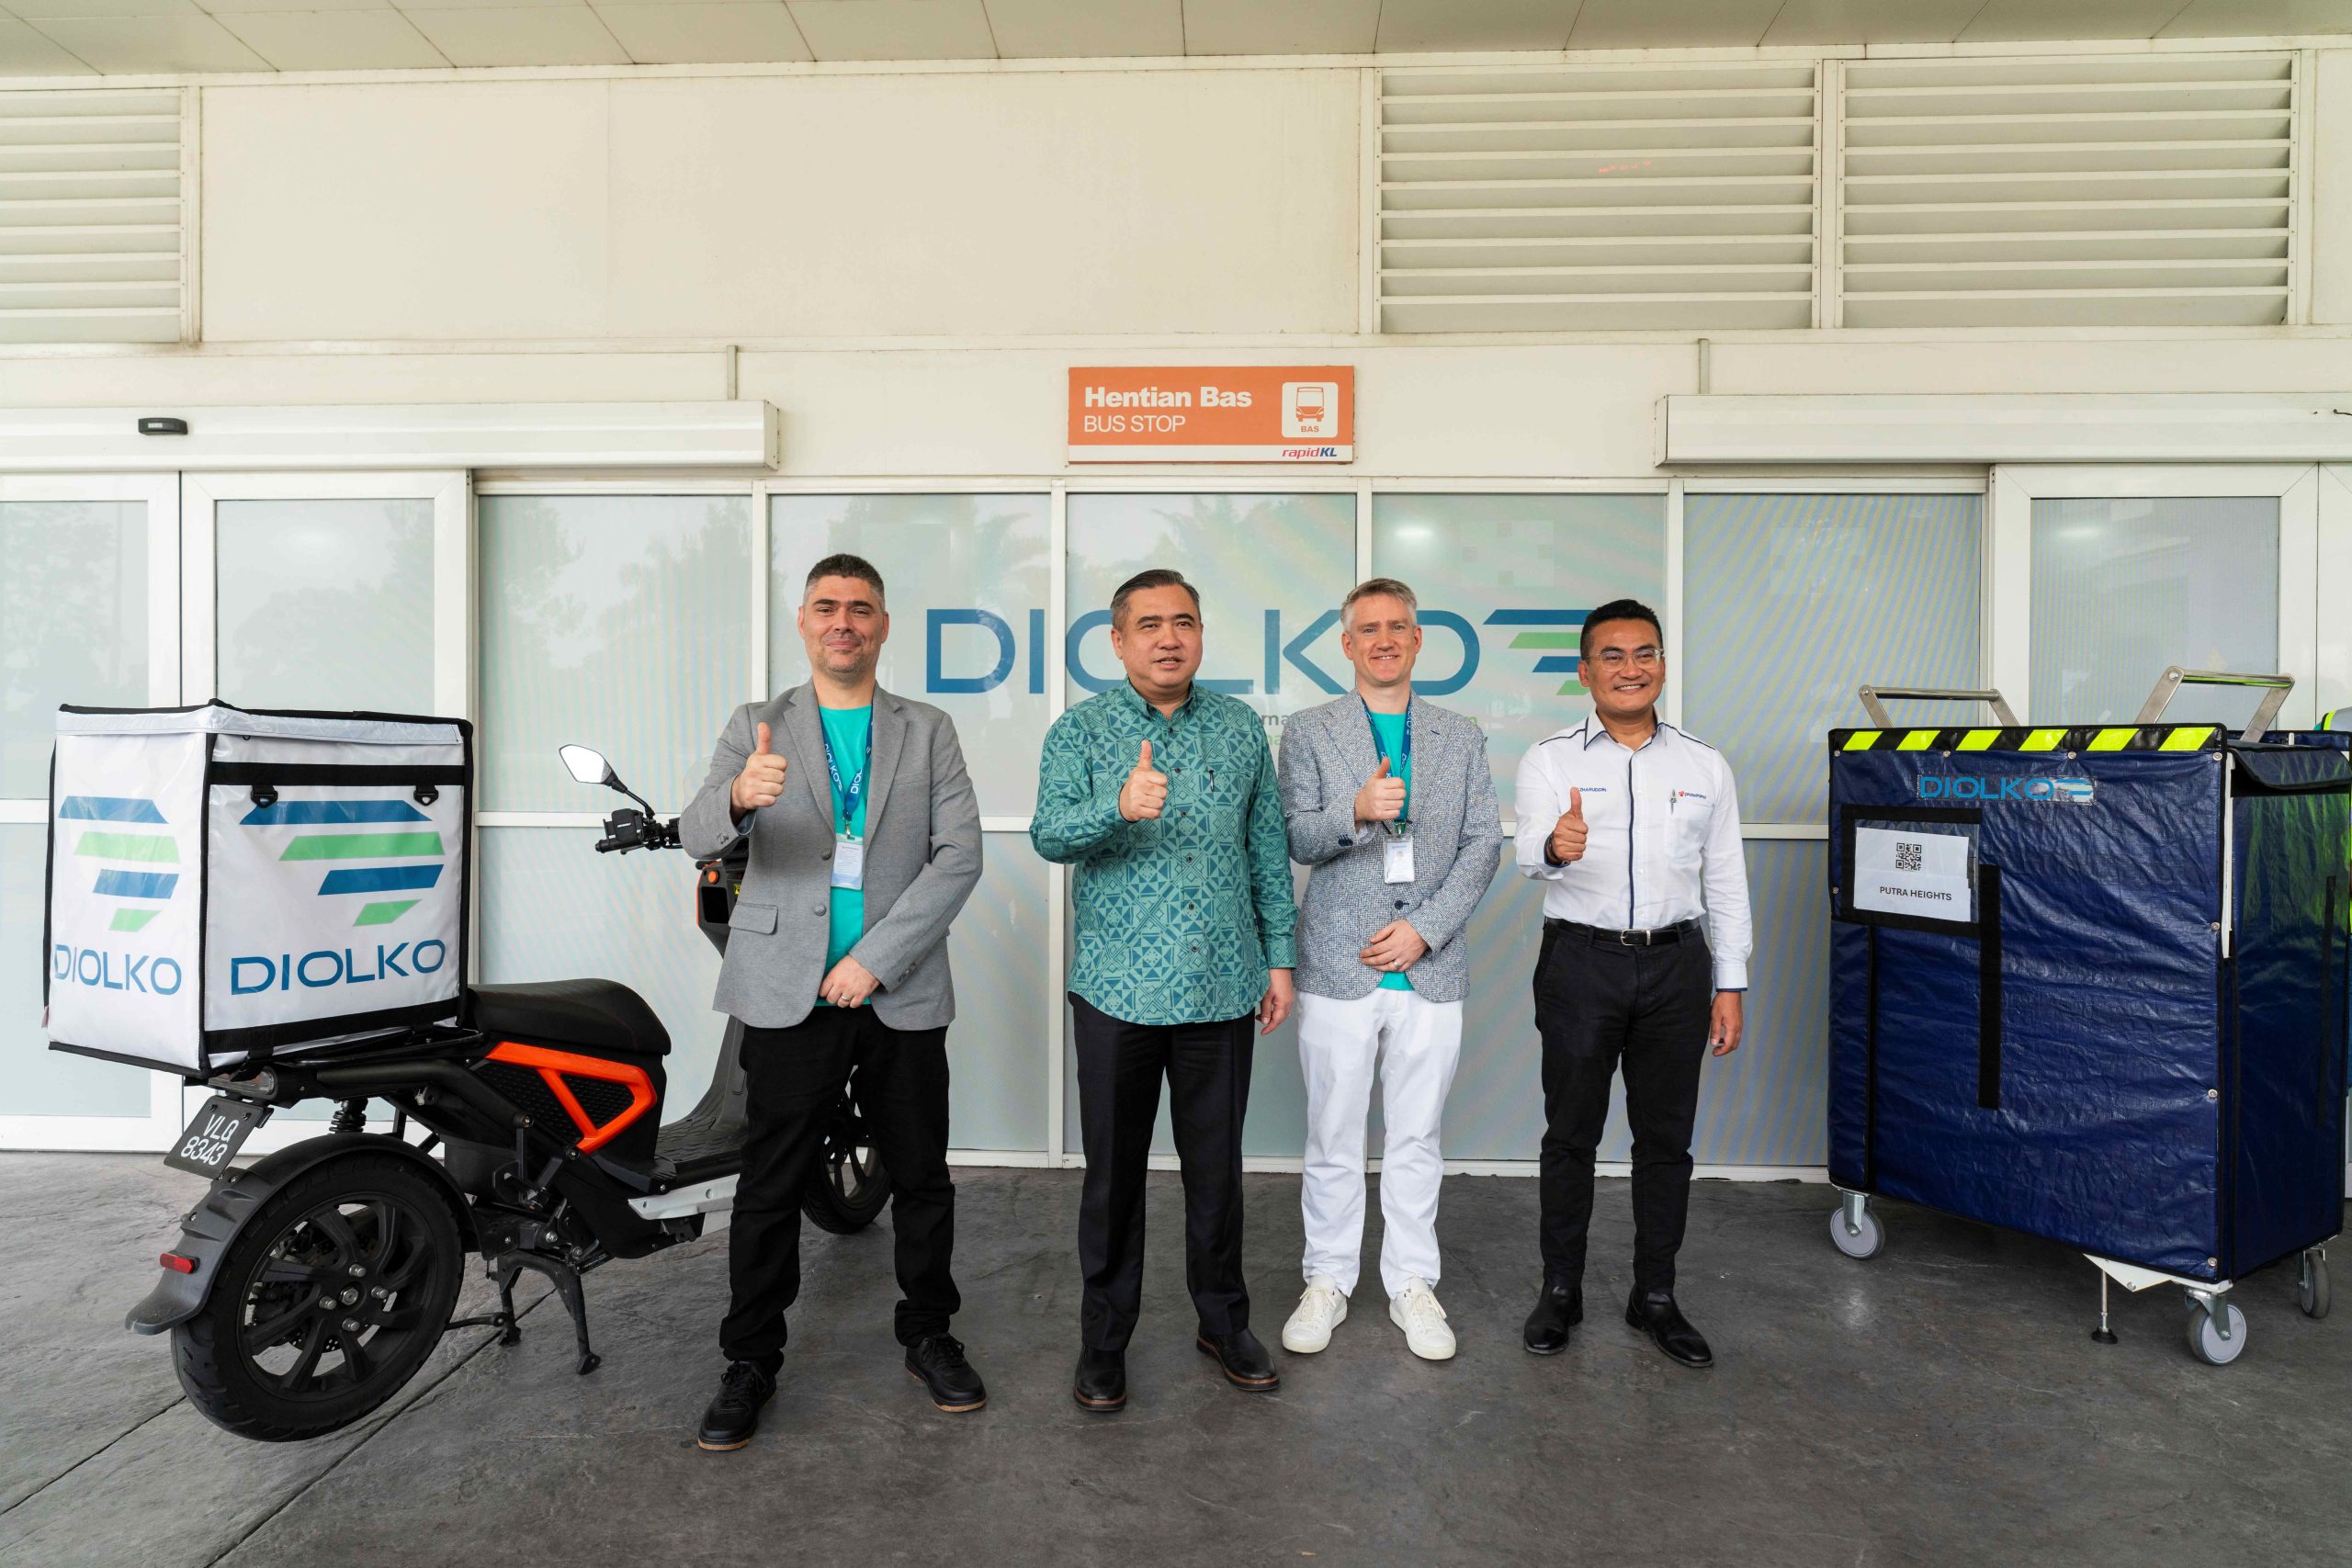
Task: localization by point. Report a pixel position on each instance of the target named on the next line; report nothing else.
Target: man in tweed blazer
(1389, 799)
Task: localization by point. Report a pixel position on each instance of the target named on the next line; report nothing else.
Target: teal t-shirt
(846, 731)
(1390, 727)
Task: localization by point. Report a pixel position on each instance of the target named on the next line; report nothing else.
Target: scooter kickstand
(508, 1268)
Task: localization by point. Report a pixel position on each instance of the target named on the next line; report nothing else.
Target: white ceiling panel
(134, 45)
(683, 32)
(242, 8)
(333, 41)
(895, 29)
(39, 10)
(24, 53)
(1296, 26)
(1406, 25)
(2259, 19)
(2004, 20)
(538, 35)
(1645, 23)
(1044, 29)
(1871, 21)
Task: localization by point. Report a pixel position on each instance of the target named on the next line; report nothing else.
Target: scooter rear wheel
(852, 1185)
(326, 1304)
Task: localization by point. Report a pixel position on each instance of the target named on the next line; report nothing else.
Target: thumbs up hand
(762, 780)
(1144, 794)
(1569, 832)
(1382, 799)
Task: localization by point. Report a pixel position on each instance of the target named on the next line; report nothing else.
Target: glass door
(2104, 576)
(89, 613)
(334, 592)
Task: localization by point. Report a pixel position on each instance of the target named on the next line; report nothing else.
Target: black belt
(1653, 937)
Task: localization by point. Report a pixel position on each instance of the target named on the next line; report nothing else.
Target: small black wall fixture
(162, 424)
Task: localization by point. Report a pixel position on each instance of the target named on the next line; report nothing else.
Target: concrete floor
(1941, 1404)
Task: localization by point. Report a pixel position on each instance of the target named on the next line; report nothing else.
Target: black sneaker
(937, 1363)
(734, 1413)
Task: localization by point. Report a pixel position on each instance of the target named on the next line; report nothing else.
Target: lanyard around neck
(1403, 763)
(846, 797)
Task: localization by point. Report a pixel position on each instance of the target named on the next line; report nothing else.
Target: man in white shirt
(1633, 826)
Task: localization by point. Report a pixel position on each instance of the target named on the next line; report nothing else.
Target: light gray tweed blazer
(1327, 755)
(923, 859)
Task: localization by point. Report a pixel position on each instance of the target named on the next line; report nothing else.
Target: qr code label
(1909, 855)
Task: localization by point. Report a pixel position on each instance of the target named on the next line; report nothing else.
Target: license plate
(211, 1141)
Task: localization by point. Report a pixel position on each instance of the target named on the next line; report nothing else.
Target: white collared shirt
(1663, 844)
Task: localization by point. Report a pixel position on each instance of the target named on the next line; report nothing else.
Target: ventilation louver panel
(90, 217)
(1597, 197)
(2152, 190)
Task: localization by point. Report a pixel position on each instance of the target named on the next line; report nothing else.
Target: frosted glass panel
(1504, 582)
(967, 578)
(73, 624)
(552, 909)
(38, 1081)
(2124, 586)
(1000, 1061)
(620, 622)
(1792, 602)
(1271, 570)
(325, 604)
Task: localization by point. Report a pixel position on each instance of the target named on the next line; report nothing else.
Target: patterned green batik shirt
(1178, 917)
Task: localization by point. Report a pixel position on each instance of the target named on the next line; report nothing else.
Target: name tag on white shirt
(849, 861)
(1397, 860)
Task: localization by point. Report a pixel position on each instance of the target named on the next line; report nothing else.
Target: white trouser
(1415, 1045)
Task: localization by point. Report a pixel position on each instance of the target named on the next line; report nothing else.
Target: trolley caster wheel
(2205, 1341)
(2311, 1289)
(1866, 1239)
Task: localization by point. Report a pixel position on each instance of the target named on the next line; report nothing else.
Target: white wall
(1084, 202)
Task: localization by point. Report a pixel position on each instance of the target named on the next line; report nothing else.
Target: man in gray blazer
(865, 841)
(1389, 799)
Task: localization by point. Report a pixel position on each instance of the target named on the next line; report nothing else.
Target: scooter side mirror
(588, 766)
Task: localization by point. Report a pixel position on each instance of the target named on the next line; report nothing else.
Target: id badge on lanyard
(849, 850)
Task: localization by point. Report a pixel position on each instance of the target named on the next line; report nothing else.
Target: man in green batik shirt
(1162, 794)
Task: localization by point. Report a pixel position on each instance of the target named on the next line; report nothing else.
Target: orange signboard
(1212, 414)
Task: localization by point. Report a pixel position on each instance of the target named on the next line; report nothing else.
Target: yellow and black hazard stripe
(2031, 738)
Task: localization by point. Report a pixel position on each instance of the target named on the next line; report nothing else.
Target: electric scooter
(307, 1288)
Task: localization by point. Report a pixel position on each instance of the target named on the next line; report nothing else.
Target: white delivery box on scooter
(224, 882)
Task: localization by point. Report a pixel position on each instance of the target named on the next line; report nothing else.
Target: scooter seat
(597, 1015)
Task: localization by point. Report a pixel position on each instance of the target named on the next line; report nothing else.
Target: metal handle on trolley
(2175, 677)
(1989, 696)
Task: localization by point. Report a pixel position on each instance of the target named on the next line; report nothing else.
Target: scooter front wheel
(327, 1302)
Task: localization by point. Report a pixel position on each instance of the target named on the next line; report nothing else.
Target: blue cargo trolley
(2088, 982)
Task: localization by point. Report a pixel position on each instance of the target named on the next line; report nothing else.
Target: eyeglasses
(1648, 657)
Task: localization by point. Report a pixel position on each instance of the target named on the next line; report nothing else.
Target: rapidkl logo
(1551, 634)
(387, 830)
(2039, 790)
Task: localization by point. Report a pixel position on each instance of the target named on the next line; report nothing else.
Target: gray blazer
(923, 859)
(1457, 838)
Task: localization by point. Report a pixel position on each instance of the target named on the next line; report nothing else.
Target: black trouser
(1597, 1003)
(793, 1079)
(1119, 1067)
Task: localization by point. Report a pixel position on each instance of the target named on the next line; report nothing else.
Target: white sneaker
(1414, 1309)
(1321, 1309)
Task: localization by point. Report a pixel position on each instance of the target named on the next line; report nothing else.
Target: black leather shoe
(1244, 1360)
(937, 1363)
(1656, 1315)
(1558, 1309)
(734, 1413)
(1102, 1379)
